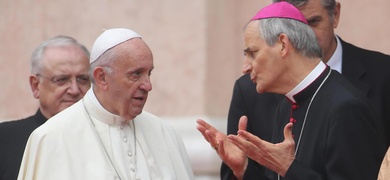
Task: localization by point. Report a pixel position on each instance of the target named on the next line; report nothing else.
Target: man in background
(59, 78)
(367, 70)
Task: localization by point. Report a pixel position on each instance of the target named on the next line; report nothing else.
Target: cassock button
(294, 106)
(292, 120)
(125, 139)
(132, 168)
(129, 154)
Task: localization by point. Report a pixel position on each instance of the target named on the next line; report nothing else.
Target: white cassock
(86, 142)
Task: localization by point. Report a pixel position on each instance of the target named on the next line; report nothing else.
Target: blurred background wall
(197, 47)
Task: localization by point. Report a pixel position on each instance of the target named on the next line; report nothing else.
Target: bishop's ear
(283, 41)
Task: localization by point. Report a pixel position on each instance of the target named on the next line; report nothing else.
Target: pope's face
(63, 79)
(262, 62)
(322, 24)
(129, 82)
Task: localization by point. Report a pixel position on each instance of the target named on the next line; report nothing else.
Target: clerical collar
(100, 113)
(40, 118)
(335, 62)
(313, 75)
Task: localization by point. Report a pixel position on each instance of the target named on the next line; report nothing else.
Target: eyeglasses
(63, 80)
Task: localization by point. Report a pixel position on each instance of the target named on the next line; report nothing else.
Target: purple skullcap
(280, 10)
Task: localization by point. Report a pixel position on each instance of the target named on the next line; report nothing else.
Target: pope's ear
(34, 85)
(100, 76)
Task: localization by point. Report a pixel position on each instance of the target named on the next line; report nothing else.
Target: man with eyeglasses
(59, 78)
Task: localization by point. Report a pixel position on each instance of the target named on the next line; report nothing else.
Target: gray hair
(105, 61)
(57, 41)
(329, 5)
(300, 35)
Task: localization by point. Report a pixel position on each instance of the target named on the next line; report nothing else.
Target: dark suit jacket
(367, 70)
(13, 139)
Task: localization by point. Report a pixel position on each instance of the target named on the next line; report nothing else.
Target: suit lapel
(352, 67)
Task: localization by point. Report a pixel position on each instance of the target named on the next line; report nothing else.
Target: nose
(146, 84)
(246, 67)
(74, 88)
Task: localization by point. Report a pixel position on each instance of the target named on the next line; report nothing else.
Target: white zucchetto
(108, 39)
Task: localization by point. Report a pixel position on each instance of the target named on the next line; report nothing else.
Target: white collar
(335, 62)
(313, 75)
(98, 112)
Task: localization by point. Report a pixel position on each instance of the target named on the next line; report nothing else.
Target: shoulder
(338, 100)
(367, 66)
(339, 90)
(14, 133)
(245, 82)
(244, 88)
(17, 124)
(67, 119)
(150, 122)
(148, 118)
(11, 123)
(370, 57)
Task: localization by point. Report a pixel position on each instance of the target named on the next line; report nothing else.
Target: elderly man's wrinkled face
(129, 82)
(262, 62)
(63, 79)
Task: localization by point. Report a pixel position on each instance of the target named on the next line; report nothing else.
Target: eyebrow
(247, 49)
(313, 18)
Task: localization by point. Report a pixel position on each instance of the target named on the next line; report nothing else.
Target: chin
(67, 104)
(134, 114)
(259, 89)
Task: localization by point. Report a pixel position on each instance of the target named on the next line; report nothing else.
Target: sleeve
(184, 157)
(253, 171)
(179, 156)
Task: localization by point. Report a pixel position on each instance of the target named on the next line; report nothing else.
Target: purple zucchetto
(280, 10)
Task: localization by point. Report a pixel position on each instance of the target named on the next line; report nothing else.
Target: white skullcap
(108, 39)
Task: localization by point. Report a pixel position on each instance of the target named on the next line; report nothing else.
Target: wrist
(239, 172)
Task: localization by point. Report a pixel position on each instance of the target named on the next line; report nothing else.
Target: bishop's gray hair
(57, 41)
(300, 35)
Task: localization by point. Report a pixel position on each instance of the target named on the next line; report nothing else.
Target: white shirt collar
(335, 62)
(313, 75)
(100, 113)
